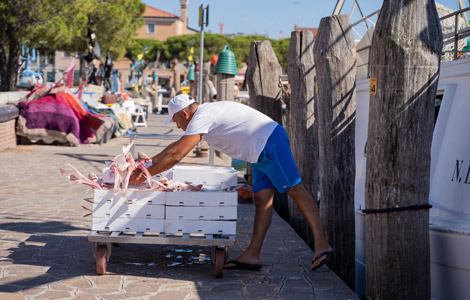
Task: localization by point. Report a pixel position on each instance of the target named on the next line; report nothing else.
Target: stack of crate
(213, 211)
(137, 211)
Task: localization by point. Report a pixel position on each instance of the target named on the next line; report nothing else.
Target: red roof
(152, 12)
(313, 30)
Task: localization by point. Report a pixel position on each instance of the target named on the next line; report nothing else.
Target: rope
(394, 209)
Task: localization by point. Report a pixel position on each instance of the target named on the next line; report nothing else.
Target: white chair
(138, 116)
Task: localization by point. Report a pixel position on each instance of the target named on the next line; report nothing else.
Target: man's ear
(185, 113)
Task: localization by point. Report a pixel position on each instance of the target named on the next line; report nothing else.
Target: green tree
(114, 22)
(151, 54)
(178, 47)
(281, 47)
(33, 23)
(240, 45)
(63, 25)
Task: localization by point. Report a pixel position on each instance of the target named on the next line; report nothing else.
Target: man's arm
(169, 157)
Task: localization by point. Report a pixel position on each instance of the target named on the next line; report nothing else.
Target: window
(150, 28)
(437, 106)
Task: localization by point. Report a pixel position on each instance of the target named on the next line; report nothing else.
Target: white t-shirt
(232, 128)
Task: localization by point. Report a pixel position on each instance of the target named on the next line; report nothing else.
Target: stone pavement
(44, 253)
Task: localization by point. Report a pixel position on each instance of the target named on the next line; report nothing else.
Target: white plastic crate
(206, 227)
(201, 213)
(137, 211)
(209, 198)
(132, 197)
(106, 210)
(128, 224)
(207, 175)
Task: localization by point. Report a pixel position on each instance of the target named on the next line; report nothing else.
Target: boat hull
(449, 190)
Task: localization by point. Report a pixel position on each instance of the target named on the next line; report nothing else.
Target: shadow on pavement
(48, 255)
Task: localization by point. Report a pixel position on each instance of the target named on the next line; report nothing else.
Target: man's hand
(166, 159)
(137, 177)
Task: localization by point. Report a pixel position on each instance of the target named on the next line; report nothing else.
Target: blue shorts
(276, 167)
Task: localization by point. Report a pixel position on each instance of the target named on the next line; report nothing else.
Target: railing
(448, 38)
(453, 37)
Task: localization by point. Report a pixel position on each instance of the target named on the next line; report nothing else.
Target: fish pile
(121, 168)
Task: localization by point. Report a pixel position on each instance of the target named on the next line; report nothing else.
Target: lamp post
(202, 21)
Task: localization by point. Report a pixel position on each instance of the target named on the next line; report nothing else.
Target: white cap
(178, 103)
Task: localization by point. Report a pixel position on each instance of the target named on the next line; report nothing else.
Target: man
(244, 133)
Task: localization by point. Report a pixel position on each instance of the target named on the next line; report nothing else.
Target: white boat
(450, 175)
(450, 184)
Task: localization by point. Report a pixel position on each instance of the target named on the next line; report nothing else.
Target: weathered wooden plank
(405, 57)
(263, 80)
(195, 91)
(335, 63)
(225, 87)
(206, 94)
(262, 77)
(302, 127)
(176, 75)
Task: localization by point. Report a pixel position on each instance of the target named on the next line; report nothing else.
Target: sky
(270, 17)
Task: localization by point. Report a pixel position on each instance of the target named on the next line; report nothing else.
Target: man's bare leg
(310, 210)
(263, 217)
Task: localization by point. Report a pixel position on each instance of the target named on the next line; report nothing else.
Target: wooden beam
(335, 63)
(263, 80)
(338, 7)
(405, 60)
(302, 127)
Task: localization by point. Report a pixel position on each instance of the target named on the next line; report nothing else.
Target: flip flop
(325, 260)
(238, 265)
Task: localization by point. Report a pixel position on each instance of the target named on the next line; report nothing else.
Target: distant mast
(221, 26)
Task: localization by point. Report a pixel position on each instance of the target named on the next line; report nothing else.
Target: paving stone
(116, 296)
(77, 282)
(142, 288)
(105, 281)
(296, 294)
(34, 291)
(11, 296)
(59, 286)
(8, 288)
(166, 295)
(103, 291)
(54, 295)
(226, 287)
(220, 295)
(252, 291)
(83, 296)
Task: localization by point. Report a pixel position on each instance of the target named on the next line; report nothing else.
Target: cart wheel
(101, 263)
(219, 262)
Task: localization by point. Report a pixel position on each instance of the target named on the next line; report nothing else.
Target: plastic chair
(138, 116)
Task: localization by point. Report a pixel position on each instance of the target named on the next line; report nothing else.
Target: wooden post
(206, 94)
(262, 77)
(263, 80)
(302, 127)
(192, 88)
(176, 75)
(335, 63)
(196, 86)
(405, 55)
(225, 87)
